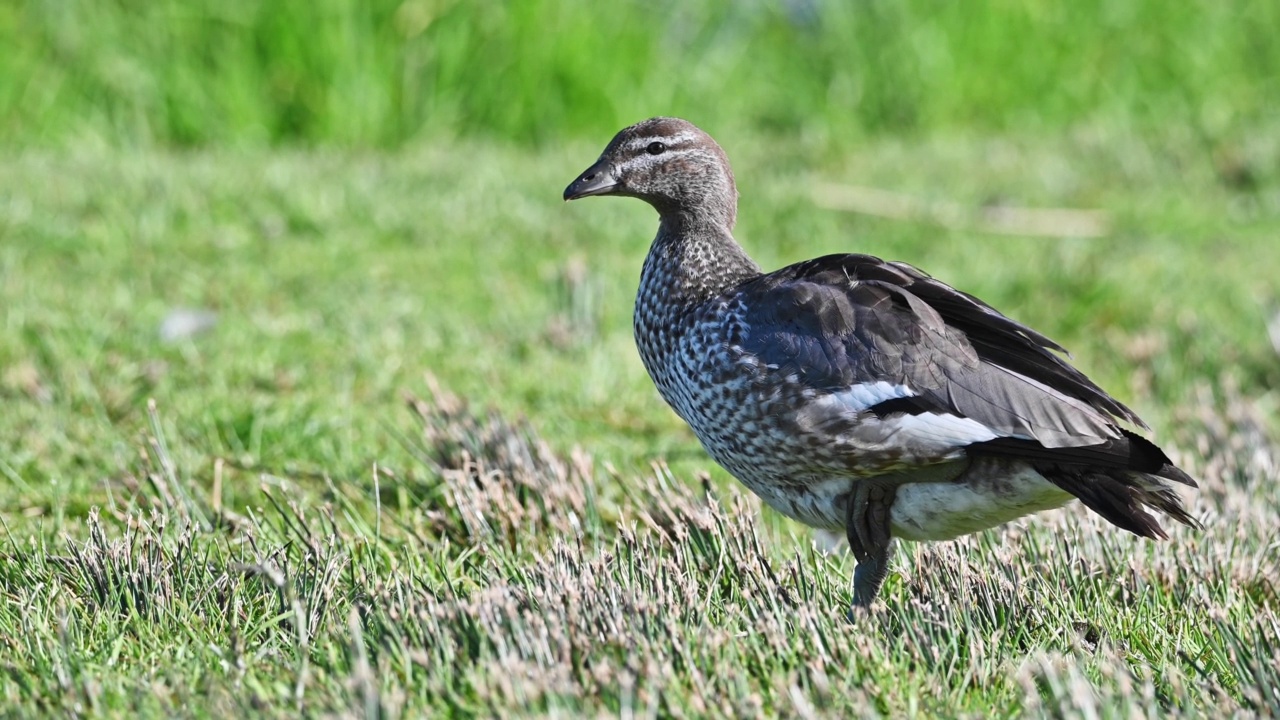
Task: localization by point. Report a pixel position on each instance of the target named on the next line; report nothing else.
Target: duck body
(853, 393)
(801, 447)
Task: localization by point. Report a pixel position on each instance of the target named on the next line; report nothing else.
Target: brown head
(670, 164)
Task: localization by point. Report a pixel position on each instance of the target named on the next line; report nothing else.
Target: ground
(414, 465)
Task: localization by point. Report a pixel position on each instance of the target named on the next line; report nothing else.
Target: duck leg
(867, 523)
(867, 527)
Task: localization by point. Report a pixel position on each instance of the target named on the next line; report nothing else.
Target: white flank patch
(929, 432)
(936, 429)
(861, 397)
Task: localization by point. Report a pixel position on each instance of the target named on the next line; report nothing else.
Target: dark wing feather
(1130, 452)
(843, 320)
(1010, 344)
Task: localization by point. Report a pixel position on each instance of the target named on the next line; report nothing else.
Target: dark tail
(1123, 496)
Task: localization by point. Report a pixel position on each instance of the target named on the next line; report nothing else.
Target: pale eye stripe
(668, 140)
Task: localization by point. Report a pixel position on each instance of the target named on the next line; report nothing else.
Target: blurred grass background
(354, 194)
(382, 73)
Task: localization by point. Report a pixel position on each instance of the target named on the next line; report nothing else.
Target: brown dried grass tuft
(516, 594)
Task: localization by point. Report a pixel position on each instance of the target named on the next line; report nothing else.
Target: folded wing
(887, 343)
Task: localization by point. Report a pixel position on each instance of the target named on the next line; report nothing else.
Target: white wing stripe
(937, 430)
(860, 398)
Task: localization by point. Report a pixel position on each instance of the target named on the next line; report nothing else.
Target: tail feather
(1128, 452)
(1175, 473)
(1123, 497)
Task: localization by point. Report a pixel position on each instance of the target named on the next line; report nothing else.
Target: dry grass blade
(503, 482)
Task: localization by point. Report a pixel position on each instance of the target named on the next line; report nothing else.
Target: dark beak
(595, 180)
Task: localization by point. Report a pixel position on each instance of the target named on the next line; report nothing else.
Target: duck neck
(692, 260)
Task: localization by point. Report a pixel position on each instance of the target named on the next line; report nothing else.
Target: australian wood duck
(850, 392)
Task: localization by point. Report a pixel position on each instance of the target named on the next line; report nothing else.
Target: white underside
(942, 511)
(930, 511)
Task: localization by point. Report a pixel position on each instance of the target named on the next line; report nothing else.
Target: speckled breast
(695, 359)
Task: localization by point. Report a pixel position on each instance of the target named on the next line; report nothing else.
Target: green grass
(211, 72)
(293, 511)
(281, 532)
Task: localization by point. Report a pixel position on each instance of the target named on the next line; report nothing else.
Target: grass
(205, 72)
(316, 399)
(253, 519)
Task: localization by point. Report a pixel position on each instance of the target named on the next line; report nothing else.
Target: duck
(861, 395)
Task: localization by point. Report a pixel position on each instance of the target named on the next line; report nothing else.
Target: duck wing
(868, 341)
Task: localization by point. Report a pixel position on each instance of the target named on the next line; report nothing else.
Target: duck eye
(656, 148)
